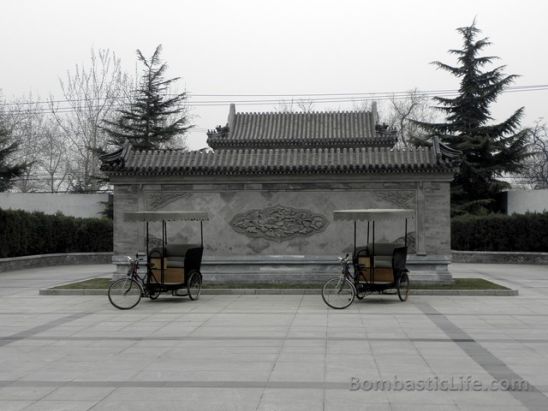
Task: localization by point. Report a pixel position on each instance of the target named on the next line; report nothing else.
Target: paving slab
(273, 352)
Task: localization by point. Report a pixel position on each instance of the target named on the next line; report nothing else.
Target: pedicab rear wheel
(194, 285)
(402, 286)
(360, 290)
(153, 295)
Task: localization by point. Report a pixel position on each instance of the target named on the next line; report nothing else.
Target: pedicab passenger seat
(178, 260)
(383, 260)
(399, 261)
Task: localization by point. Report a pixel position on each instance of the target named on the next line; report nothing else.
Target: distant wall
(523, 201)
(75, 205)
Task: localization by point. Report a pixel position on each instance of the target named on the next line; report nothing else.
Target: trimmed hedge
(24, 233)
(498, 232)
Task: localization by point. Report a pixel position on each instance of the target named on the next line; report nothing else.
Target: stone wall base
(271, 269)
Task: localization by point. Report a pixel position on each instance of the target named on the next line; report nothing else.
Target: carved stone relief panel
(399, 198)
(154, 242)
(278, 223)
(127, 189)
(157, 200)
(411, 248)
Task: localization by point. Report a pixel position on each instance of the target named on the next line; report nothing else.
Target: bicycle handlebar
(344, 259)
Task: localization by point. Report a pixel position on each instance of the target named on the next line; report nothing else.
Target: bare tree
(295, 106)
(11, 166)
(27, 122)
(375, 107)
(91, 95)
(366, 105)
(536, 171)
(22, 120)
(403, 111)
(53, 160)
(41, 146)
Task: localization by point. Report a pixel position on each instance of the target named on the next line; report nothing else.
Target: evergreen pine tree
(155, 117)
(489, 150)
(8, 170)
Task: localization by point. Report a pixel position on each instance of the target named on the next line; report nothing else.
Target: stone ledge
(44, 260)
(329, 260)
(72, 291)
(469, 293)
(499, 257)
(291, 291)
(296, 268)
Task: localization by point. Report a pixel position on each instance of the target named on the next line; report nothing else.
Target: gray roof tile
(313, 129)
(362, 160)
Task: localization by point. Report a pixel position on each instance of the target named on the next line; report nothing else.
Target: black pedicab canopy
(372, 215)
(163, 216)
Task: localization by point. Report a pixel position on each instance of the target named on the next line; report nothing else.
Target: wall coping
(121, 259)
(458, 256)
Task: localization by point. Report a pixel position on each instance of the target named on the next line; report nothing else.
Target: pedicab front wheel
(125, 293)
(338, 293)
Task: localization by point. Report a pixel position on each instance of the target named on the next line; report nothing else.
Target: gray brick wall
(225, 200)
(437, 219)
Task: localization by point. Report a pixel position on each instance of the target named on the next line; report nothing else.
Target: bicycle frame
(345, 263)
(345, 272)
(339, 292)
(134, 275)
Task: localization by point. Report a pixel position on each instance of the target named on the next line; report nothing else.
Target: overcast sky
(274, 47)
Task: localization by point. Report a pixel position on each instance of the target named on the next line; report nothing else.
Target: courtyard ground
(268, 352)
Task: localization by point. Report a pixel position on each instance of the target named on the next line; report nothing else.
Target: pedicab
(377, 267)
(170, 268)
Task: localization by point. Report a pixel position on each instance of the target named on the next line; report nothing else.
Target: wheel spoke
(338, 293)
(403, 287)
(124, 293)
(194, 285)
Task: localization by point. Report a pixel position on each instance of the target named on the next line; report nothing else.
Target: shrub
(498, 232)
(24, 233)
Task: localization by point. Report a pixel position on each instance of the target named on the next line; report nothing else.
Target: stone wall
(436, 218)
(300, 221)
(259, 221)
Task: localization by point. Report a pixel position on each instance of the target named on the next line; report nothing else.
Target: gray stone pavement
(272, 352)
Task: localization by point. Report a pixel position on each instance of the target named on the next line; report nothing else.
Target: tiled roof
(364, 160)
(313, 129)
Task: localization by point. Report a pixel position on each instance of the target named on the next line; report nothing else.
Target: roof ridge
(289, 113)
(298, 128)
